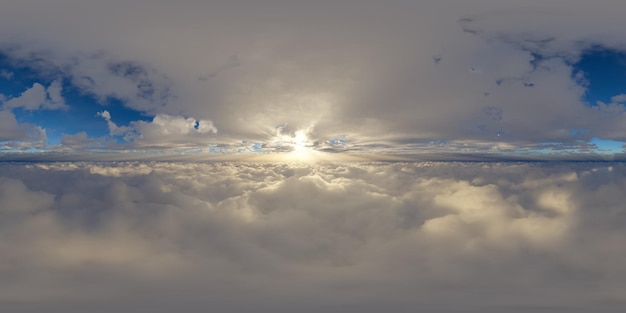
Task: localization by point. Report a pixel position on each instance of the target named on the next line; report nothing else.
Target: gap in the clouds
(83, 108)
(608, 146)
(80, 117)
(604, 72)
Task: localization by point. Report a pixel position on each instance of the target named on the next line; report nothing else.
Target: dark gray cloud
(339, 237)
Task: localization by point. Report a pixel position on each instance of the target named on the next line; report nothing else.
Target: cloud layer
(344, 237)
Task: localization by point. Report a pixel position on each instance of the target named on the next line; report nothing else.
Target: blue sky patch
(604, 71)
(608, 146)
(81, 114)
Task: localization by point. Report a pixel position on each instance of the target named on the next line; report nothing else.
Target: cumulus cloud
(114, 130)
(39, 97)
(345, 237)
(15, 134)
(9, 128)
(164, 130)
(177, 125)
(82, 141)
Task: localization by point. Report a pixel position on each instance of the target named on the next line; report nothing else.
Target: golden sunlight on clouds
(304, 155)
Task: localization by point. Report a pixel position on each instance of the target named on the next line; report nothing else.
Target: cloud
(177, 125)
(114, 130)
(18, 199)
(14, 133)
(82, 141)
(6, 74)
(233, 62)
(163, 130)
(619, 98)
(345, 237)
(9, 127)
(39, 97)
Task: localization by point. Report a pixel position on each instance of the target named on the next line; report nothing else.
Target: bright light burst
(301, 147)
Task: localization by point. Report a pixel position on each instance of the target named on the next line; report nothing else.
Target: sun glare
(300, 145)
(296, 146)
(300, 142)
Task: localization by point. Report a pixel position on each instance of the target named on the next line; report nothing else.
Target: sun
(296, 145)
(300, 142)
(301, 147)
(287, 145)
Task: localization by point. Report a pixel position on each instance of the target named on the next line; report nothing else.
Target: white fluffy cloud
(336, 237)
(39, 97)
(14, 134)
(164, 131)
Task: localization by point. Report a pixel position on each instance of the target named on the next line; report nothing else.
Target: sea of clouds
(335, 237)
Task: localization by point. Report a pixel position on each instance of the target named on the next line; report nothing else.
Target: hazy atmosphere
(312, 156)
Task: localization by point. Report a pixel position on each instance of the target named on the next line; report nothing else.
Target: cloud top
(355, 237)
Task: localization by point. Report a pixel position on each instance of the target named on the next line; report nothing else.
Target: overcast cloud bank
(343, 237)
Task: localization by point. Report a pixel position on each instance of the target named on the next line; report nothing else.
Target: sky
(478, 79)
(347, 156)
